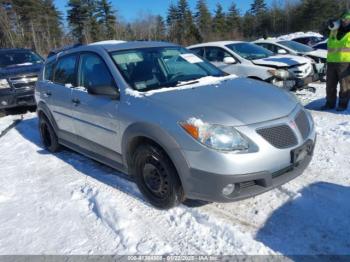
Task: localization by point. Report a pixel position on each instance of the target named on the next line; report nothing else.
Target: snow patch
(208, 80)
(299, 34)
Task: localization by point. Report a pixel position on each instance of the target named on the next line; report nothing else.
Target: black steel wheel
(48, 135)
(156, 177)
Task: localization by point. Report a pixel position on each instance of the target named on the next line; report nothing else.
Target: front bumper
(10, 98)
(210, 186)
(209, 172)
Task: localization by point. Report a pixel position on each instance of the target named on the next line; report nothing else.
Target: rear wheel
(48, 135)
(156, 177)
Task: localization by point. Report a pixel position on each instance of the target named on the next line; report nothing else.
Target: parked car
(308, 40)
(249, 60)
(19, 69)
(180, 127)
(286, 47)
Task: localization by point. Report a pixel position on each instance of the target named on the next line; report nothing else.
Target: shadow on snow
(317, 222)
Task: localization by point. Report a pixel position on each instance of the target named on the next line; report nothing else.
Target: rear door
(60, 92)
(96, 116)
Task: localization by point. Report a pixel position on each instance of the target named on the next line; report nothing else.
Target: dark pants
(338, 73)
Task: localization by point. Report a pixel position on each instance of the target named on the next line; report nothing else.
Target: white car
(249, 60)
(288, 47)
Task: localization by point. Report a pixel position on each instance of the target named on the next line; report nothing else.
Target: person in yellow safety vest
(338, 64)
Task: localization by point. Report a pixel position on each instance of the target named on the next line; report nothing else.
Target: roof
(269, 40)
(2, 50)
(134, 45)
(217, 43)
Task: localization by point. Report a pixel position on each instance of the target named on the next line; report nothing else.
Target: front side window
(296, 46)
(93, 72)
(216, 54)
(153, 68)
(65, 70)
(198, 51)
(250, 51)
(19, 58)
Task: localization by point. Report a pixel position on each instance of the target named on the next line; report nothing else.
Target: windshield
(154, 68)
(250, 51)
(17, 58)
(297, 46)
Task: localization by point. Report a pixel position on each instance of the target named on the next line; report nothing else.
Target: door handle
(47, 94)
(76, 101)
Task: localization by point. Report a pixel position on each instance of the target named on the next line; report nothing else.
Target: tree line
(38, 24)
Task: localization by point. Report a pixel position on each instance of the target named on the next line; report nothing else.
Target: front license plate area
(299, 154)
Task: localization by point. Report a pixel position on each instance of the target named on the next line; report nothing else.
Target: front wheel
(48, 135)
(156, 177)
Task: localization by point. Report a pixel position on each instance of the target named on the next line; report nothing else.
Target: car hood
(281, 61)
(6, 72)
(318, 53)
(236, 102)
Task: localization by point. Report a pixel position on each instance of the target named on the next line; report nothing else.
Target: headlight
(280, 73)
(217, 137)
(4, 84)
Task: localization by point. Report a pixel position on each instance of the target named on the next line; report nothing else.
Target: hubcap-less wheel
(48, 135)
(45, 134)
(155, 178)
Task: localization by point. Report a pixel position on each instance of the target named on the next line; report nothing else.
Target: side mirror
(229, 60)
(282, 52)
(106, 90)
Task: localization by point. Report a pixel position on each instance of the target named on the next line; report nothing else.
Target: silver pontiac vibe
(179, 126)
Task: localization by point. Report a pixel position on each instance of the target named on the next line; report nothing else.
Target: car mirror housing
(229, 60)
(104, 90)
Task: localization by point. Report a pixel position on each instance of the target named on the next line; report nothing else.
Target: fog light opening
(228, 190)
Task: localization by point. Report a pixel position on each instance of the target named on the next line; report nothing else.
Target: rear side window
(65, 70)
(48, 71)
(93, 72)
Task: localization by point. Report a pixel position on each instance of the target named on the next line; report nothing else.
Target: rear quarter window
(48, 71)
(65, 72)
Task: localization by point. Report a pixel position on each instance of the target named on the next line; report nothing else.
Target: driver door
(96, 116)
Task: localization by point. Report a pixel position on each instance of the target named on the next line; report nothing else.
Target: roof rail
(65, 48)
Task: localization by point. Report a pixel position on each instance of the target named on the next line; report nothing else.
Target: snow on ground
(8, 121)
(65, 203)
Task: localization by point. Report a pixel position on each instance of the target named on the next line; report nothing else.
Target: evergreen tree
(219, 23)
(233, 21)
(78, 15)
(107, 18)
(258, 7)
(261, 19)
(173, 23)
(203, 20)
(160, 28)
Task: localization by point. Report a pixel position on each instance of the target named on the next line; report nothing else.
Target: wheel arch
(141, 133)
(43, 110)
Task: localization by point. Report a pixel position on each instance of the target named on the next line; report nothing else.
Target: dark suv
(19, 69)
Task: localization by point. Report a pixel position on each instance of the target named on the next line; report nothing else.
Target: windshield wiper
(186, 83)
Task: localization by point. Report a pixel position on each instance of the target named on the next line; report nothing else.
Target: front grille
(302, 123)
(247, 184)
(281, 136)
(23, 81)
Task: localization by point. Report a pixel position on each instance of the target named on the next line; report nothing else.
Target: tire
(156, 177)
(48, 136)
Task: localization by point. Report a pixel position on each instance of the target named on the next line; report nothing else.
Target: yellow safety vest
(338, 50)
